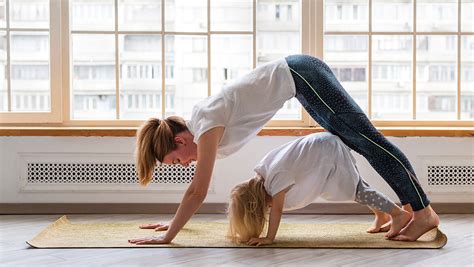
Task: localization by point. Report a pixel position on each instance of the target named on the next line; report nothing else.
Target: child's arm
(274, 222)
(197, 190)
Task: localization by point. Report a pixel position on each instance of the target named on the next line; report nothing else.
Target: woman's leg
(332, 107)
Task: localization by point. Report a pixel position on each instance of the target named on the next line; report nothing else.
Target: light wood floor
(16, 229)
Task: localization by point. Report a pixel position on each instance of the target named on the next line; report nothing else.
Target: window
(345, 74)
(199, 75)
(289, 14)
(409, 63)
(30, 73)
(122, 66)
(412, 65)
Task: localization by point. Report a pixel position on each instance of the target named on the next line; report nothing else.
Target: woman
(220, 125)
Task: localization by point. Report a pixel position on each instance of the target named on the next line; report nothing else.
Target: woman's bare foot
(381, 223)
(400, 219)
(407, 207)
(423, 221)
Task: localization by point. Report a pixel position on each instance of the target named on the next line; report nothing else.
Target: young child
(292, 176)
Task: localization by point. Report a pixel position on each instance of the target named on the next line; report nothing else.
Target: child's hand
(156, 226)
(150, 240)
(254, 241)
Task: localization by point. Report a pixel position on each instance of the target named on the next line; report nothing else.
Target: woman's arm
(274, 222)
(197, 190)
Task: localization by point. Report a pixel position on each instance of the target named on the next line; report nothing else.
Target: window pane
(467, 77)
(186, 73)
(29, 71)
(392, 77)
(93, 77)
(93, 15)
(142, 15)
(29, 14)
(186, 16)
(231, 58)
(278, 35)
(436, 15)
(436, 77)
(348, 56)
(346, 15)
(140, 76)
(231, 15)
(467, 15)
(392, 15)
(3, 65)
(3, 13)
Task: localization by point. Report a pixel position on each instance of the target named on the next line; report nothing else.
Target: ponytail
(155, 139)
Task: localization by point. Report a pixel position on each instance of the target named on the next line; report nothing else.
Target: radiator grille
(450, 175)
(103, 173)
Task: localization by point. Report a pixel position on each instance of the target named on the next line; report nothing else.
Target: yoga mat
(64, 234)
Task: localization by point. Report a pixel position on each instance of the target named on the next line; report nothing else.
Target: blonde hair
(155, 139)
(247, 211)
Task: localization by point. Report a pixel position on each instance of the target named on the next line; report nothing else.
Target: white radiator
(95, 172)
(109, 172)
(448, 174)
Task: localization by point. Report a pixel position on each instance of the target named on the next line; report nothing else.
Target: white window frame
(312, 35)
(305, 119)
(414, 33)
(55, 114)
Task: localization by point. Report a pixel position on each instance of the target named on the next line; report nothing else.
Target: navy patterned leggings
(324, 98)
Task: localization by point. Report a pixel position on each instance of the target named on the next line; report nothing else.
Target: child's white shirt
(317, 165)
(244, 107)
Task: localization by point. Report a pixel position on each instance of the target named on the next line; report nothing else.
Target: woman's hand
(254, 241)
(156, 226)
(150, 240)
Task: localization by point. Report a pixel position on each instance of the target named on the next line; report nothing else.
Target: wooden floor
(16, 229)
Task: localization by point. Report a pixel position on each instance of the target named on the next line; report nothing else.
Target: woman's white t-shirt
(244, 106)
(317, 165)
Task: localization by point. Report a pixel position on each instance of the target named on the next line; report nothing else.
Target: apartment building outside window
(401, 60)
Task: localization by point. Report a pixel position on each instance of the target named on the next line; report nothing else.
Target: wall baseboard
(218, 208)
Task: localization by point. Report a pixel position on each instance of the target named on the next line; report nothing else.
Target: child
(292, 176)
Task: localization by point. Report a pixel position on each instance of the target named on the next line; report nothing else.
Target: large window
(135, 59)
(118, 62)
(29, 92)
(404, 60)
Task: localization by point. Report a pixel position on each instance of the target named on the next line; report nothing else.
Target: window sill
(267, 131)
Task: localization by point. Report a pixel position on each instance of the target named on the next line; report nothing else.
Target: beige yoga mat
(64, 234)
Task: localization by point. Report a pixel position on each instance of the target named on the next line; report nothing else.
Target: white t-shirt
(317, 165)
(244, 106)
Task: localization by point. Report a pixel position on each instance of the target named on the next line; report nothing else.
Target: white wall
(227, 172)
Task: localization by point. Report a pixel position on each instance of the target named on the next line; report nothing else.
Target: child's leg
(382, 222)
(381, 203)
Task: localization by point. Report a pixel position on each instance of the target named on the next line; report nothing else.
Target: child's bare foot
(386, 227)
(381, 223)
(400, 219)
(423, 221)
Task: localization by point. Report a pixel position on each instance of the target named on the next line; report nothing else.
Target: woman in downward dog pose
(221, 124)
(292, 176)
